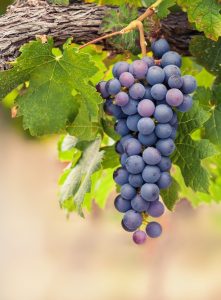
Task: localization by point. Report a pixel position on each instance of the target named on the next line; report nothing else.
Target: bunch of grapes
(143, 97)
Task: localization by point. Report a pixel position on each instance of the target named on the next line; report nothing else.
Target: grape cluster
(144, 96)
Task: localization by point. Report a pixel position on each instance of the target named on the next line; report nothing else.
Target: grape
(175, 81)
(139, 69)
(155, 209)
(147, 94)
(174, 97)
(121, 127)
(146, 108)
(147, 140)
(130, 108)
(158, 91)
(174, 119)
(160, 47)
(119, 68)
(165, 164)
(151, 174)
(135, 164)
(121, 204)
(127, 191)
(164, 180)
(163, 113)
(171, 70)
(139, 237)
(135, 180)
(119, 148)
(125, 227)
(149, 61)
(171, 58)
(133, 147)
(187, 103)
(120, 176)
(145, 126)
(126, 79)
(139, 204)
(124, 139)
(113, 86)
(189, 84)
(155, 75)
(101, 88)
(123, 159)
(132, 122)
(165, 146)
(121, 99)
(153, 229)
(163, 131)
(132, 220)
(150, 192)
(112, 109)
(137, 91)
(173, 134)
(151, 156)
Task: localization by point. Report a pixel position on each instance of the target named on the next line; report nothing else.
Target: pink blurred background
(44, 256)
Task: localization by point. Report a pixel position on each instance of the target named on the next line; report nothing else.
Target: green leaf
(163, 8)
(205, 14)
(207, 53)
(108, 128)
(136, 3)
(78, 181)
(60, 2)
(170, 195)
(111, 158)
(67, 150)
(45, 106)
(190, 153)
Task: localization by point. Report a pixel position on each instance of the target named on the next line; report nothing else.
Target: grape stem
(136, 24)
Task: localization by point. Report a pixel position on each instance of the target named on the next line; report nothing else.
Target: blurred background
(45, 256)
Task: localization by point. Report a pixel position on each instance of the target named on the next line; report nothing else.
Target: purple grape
(164, 180)
(139, 237)
(139, 69)
(121, 99)
(113, 86)
(166, 146)
(189, 84)
(121, 204)
(158, 91)
(139, 204)
(121, 127)
(101, 88)
(163, 113)
(151, 156)
(147, 140)
(173, 134)
(133, 147)
(171, 58)
(174, 119)
(155, 75)
(146, 108)
(135, 180)
(127, 191)
(126, 79)
(135, 164)
(165, 164)
(132, 220)
(124, 139)
(175, 81)
(125, 227)
(112, 109)
(171, 70)
(137, 91)
(145, 126)
(153, 229)
(132, 122)
(130, 108)
(174, 97)
(187, 104)
(156, 209)
(163, 131)
(150, 192)
(123, 159)
(149, 61)
(160, 47)
(147, 94)
(119, 147)
(120, 176)
(151, 174)
(119, 68)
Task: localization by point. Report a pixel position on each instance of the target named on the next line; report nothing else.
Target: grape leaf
(45, 107)
(171, 195)
(78, 181)
(207, 53)
(108, 128)
(163, 9)
(111, 158)
(205, 14)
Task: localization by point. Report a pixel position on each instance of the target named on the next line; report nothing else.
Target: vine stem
(136, 24)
